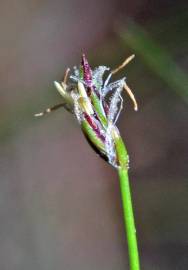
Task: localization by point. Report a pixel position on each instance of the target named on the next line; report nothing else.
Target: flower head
(96, 104)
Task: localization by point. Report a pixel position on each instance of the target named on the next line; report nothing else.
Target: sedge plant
(96, 104)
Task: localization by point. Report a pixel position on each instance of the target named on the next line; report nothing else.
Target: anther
(129, 59)
(66, 75)
(131, 95)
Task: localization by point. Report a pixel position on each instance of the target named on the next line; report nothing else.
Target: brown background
(60, 205)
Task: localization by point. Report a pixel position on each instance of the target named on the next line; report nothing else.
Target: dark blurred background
(60, 205)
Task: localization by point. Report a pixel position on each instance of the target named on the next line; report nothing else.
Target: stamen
(39, 114)
(49, 110)
(131, 95)
(123, 64)
(66, 75)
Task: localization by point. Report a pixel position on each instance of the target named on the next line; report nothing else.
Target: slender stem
(129, 219)
(127, 205)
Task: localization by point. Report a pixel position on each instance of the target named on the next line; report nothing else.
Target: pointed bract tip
(60, 88)
(84, 59)
(87, 72)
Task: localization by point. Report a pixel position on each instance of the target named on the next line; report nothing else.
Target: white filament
(109, 145)
(98, 76)
(77, 109)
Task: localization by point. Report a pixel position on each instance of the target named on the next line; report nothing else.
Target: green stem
(127, 205)
(122, 157)
(129, 219)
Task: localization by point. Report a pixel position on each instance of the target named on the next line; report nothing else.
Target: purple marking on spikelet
(94, 126)
(87, 72)
(106, 107)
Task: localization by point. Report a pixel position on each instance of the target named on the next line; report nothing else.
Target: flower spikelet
(96, 104)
